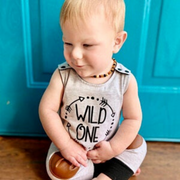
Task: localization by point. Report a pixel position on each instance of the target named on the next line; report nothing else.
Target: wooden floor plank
(24, 159)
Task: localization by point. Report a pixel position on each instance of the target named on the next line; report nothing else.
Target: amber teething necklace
(108, 73)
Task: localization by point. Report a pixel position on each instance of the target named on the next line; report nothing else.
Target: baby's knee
(102, 177)
(61, 168)
(136, 143)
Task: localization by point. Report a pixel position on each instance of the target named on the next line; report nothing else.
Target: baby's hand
(75, 153)
(101, 153)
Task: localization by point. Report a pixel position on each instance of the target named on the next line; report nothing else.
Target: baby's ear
(119, 41)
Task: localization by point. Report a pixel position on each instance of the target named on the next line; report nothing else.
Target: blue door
(31, 48)
(152, 52)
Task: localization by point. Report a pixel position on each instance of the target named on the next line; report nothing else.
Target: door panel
(42, 40)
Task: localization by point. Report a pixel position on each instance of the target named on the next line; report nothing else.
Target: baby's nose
(77, 53)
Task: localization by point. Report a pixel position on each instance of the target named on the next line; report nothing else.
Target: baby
(81, 108)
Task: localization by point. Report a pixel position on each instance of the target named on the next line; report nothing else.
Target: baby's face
(88, 47)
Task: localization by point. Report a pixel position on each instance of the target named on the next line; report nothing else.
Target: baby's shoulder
(64, 66)
(122, 69)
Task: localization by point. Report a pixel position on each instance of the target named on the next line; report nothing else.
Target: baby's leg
(57, 172)
(102, 177)
(112, 169)
(137, 173)
(135, 144)
(134, 155)
(124, 165)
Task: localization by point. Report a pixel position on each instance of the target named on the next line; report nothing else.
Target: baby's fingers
(96, 161)
(74, 162)
(78, 160)
(82, 160)
(92, 154)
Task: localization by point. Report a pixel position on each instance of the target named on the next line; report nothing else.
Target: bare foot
(138, 172)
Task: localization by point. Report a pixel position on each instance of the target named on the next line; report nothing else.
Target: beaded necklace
(108, 73)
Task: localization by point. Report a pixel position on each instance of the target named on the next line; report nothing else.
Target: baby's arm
(127, 131)
(53, 126)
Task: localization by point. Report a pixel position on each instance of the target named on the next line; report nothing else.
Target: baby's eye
(68, 44)
(87, 45)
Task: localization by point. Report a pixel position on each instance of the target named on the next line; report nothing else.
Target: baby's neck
(97, 80)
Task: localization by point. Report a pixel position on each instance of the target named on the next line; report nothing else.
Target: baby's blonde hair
(75, 10)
